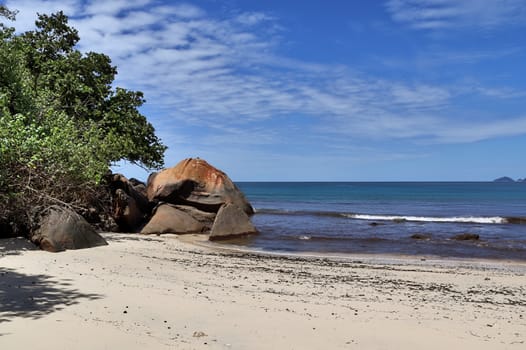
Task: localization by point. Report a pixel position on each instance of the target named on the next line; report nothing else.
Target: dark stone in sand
(56, 229)
(421, 236)
(467, 237)
(169, 219)
(231, 222)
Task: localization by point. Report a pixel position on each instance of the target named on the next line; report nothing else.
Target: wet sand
(166, 293)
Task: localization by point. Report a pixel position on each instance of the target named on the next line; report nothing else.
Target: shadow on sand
(35, 296)
(14, 246)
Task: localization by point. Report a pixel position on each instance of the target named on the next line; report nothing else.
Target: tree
(82, 87)
(62, 124)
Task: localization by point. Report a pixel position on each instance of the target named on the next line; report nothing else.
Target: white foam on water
(464, 219)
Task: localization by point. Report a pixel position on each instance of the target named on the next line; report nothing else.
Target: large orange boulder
(196, 183)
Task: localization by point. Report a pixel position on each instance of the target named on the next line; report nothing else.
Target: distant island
(508, 179)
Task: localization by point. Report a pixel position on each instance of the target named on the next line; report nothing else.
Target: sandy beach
(162, 292)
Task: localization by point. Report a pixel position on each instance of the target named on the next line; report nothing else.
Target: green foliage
(62, 124)
(42, 76)
(57, 146)
(7, 14)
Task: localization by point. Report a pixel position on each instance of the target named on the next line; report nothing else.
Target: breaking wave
(401, 218)
(462, 219)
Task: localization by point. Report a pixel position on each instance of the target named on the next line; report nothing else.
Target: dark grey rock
(56, 229)
(126, 212)
(467, 237)
(206, 218)
(169, 219)
(231, 222)
(423, 236)
(130, 204)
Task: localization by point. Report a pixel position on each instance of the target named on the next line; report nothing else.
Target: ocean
(395, 218)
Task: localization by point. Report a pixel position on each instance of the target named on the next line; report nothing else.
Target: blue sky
(394, 90)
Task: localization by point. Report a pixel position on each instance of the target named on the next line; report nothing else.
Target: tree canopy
(62, 123)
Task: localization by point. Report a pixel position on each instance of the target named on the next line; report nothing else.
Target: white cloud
(187, 11)
(500, 93)
(225, 75)
(420, 96)
(253, 18)
(483, 131)
(28, 9)
(438, 14)
(113, 7)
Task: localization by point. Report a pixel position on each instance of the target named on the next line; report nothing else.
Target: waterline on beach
(391, 218)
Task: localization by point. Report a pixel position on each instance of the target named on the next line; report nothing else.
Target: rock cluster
(192, 197)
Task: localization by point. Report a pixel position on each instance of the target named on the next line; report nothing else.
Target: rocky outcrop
(131, 207)
(192, 197)
(196, 183)
(167, 218)
(56, 229)
(230, 222)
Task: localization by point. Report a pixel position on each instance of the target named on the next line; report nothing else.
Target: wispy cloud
(479, 132)
(433, 58)
(225, 74)
(25, 19)
(441, 14)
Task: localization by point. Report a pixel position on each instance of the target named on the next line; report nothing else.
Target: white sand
(161, 293)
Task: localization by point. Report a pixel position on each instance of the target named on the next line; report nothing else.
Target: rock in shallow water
(230, 222)
(467, 237)
(425, 236)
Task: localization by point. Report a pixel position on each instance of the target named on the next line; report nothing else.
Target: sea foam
(463, 219)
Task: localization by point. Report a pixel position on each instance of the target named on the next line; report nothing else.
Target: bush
(62, 124)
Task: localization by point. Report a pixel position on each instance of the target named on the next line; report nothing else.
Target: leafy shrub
(61, 122)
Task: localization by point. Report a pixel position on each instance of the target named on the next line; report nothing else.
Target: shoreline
(381, 258)
(164, 292)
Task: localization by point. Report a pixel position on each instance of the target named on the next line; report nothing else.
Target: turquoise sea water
(365, 217)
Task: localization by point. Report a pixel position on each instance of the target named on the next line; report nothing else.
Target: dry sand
(163, 293)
